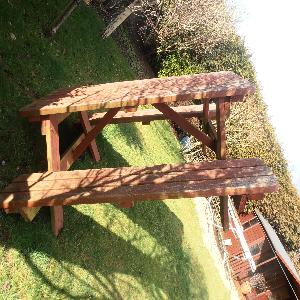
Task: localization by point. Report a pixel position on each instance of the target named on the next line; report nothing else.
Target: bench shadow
(132, 135)
(147, 213)
(102, 254)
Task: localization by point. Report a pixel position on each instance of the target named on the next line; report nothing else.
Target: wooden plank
(256, 197)
(53, 158)
(227, 109)
(221, 154)
(57, 218)
(221, 135)
(206, 111)
(148, 115)
(124, 171)
(206, 117)
(91, 135)
(48, 125)
(169, 190)
(84, 119)
(185, 125)
(52, 142)
(118, 180)
(60, 118)
(139, 92)
(68, 157)
(224, 212)
(29, 214)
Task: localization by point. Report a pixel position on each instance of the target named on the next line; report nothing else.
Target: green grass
(152, 251)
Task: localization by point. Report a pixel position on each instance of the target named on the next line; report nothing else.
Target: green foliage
(229, 56)
(176, 64)
(183, 25)
(249, 131)
(255, 137)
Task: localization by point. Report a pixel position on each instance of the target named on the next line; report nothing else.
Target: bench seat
(148, 115)
(118, 185)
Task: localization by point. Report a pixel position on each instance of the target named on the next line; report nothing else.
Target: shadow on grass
(155, 217)
(44, 66)
(132, 135)
(86, 244)
(102, 254)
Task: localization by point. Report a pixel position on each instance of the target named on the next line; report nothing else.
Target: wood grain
(185, 125)
(148, 115)
(142, 184)
(124, 171)
(91, 134)
(168, 190)
(139, 92)
(53, 158)
(84, 119)
(154, 178)
(221, 154)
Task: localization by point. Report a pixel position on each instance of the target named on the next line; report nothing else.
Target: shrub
(180, 25)
(249, 132)
(176, 64)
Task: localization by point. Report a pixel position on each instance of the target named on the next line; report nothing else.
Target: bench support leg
(224, 212)
(221, 141)
(85, 122)
(205, 121)
(57, 219)
(53, 157)
(185, 125)
(91, 135)
(221, 154)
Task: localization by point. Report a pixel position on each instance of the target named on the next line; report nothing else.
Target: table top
(140, 92)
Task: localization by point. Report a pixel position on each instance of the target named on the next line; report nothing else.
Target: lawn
(152, 251)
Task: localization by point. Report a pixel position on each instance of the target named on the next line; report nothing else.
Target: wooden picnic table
(218, 89)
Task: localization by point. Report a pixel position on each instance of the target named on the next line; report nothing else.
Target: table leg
(185, 125)
(50, 125)
(205, 121)
(84, 119)
(221, 154)
(220, 117)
